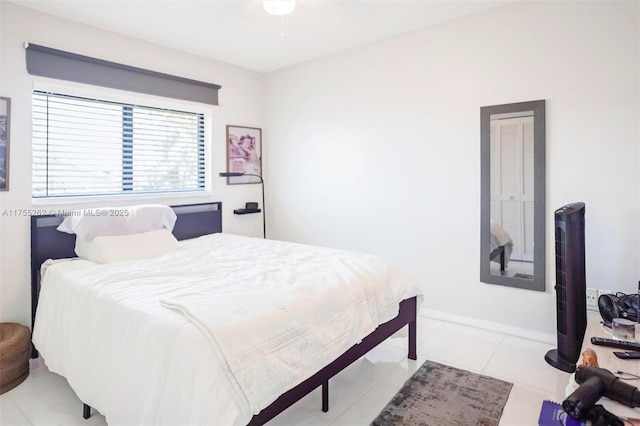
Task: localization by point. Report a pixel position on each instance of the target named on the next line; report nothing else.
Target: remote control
(628, 355)
(621, 344)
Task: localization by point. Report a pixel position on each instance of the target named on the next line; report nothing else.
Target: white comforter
(212, 333)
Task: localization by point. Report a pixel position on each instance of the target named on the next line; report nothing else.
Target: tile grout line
(375, 382)
(495, 350)
(22, 411)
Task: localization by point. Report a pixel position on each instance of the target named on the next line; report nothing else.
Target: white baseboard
(490, 326)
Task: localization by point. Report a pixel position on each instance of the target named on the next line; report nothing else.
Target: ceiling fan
(279, 7)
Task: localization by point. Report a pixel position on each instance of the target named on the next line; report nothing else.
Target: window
(87, 147)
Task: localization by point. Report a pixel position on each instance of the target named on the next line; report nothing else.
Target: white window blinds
(86, 147)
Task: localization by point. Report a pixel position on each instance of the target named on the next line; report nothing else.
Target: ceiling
(240, 32)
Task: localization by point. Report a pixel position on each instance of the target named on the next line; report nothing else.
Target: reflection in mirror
(513, 195)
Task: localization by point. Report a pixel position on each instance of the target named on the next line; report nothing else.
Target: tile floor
(515, 267)
(359, 392)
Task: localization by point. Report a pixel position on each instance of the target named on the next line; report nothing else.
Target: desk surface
(606, 359)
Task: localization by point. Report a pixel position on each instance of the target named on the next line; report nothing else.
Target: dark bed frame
(192, 221)
(498, 251)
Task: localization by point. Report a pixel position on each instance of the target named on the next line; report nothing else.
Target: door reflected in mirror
(513, 184)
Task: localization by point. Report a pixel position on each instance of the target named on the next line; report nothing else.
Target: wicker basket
(15, 348)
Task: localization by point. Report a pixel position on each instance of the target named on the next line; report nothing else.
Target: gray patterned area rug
(440, 395)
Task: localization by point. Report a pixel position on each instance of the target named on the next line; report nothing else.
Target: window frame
(101, 93)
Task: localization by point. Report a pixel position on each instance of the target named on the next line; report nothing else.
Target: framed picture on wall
(244, 154)
(5, 119)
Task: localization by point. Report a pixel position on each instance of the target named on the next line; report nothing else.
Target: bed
(158, 358)
(501, 246)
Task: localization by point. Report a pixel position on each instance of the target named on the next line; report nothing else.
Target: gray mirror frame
(539, 176)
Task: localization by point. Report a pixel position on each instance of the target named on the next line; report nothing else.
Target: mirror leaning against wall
(512, 219)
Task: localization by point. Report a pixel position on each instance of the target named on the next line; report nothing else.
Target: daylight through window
(85, 147)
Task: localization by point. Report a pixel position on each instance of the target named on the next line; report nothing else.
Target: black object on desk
(614, 343)
(246, 211)
(627, 355)
(264, 219)
(249, 207)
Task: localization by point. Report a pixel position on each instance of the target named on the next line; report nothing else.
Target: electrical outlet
(592, 297)
(601, 292)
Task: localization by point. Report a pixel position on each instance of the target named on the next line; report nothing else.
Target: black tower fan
(571, 288)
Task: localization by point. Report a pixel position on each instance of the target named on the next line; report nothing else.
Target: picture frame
(244, 154)
(5, 122)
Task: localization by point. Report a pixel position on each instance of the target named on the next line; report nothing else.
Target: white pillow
(116, 248)
(90, 223)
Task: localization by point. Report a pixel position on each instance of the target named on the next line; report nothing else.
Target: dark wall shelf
(246, 211)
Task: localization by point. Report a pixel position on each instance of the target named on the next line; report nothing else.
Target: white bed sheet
(150, 341)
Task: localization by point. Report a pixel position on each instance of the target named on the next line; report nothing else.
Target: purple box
(552, 414)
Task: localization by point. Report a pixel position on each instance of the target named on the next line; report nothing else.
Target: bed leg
(86, 411)
(325, 396)
(412, 340)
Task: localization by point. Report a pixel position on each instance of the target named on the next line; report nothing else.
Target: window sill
(103, 200)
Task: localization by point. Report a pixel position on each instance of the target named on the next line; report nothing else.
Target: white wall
(1, 197)
(378, 148)
(241, 100)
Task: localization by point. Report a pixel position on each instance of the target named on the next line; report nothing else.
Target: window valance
(58, 64)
